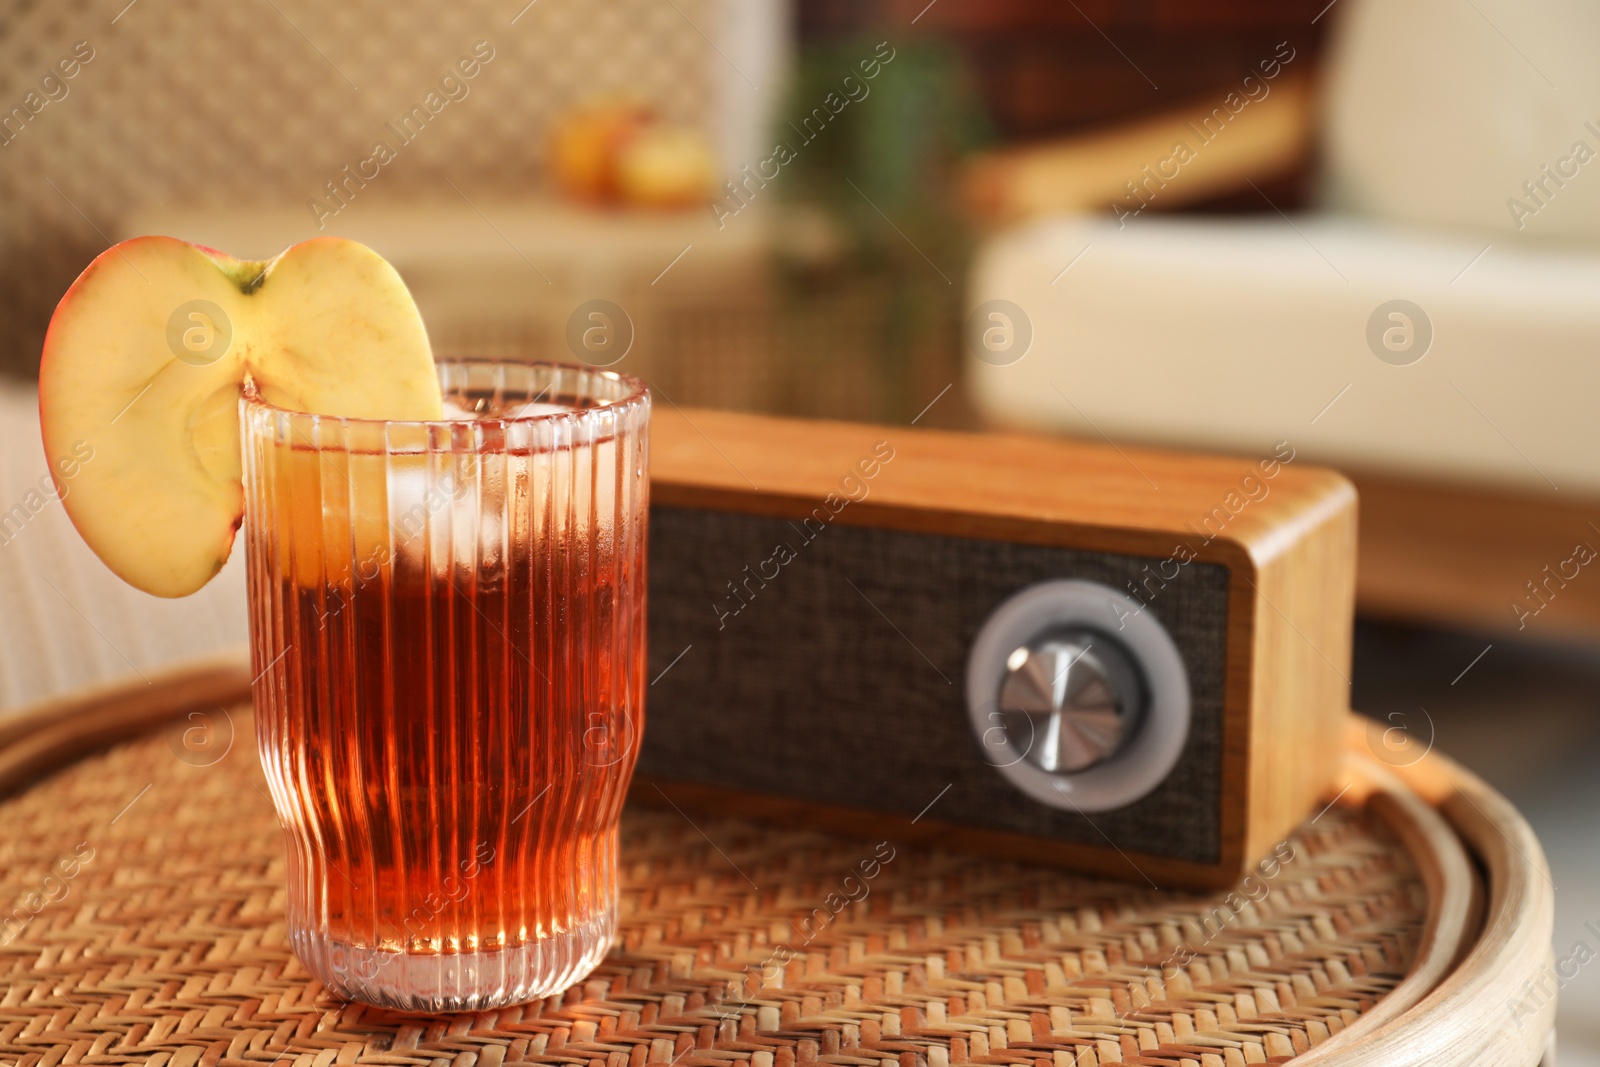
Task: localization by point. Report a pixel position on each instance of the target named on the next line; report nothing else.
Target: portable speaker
(1124, 661)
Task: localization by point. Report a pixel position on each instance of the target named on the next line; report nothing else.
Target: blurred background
(1371, 230)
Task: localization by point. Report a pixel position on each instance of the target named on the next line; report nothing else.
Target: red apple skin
(102, 439)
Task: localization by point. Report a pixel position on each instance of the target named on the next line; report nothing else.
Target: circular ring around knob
(1137, 679)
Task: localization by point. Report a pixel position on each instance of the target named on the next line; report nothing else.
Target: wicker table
(146, 870)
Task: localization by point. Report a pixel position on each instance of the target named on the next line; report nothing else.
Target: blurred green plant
(882, 176)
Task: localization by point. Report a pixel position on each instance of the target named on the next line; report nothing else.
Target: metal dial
(1069, 700)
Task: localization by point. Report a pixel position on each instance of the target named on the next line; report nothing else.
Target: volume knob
(1069, 700)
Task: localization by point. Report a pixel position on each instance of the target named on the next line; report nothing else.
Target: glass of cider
(447, 621)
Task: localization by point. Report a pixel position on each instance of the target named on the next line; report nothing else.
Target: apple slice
(142, 371)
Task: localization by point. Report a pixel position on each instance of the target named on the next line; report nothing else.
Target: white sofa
(1240, 334)
(1453, 146)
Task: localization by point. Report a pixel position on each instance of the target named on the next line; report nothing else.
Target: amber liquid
(439, 727)
(448, 716)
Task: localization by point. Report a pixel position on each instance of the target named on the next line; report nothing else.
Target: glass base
(459, 981)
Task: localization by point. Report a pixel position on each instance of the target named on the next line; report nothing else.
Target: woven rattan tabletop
(146, 926)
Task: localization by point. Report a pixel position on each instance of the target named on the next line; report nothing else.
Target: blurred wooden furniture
(1467, 555)
(1047, 69)
(1091, 171)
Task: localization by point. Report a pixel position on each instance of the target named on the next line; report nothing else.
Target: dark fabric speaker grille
(842, 679)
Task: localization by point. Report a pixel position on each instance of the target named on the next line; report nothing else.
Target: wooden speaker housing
(816, 588)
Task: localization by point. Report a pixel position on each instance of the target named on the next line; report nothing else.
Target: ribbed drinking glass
(447, 621)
